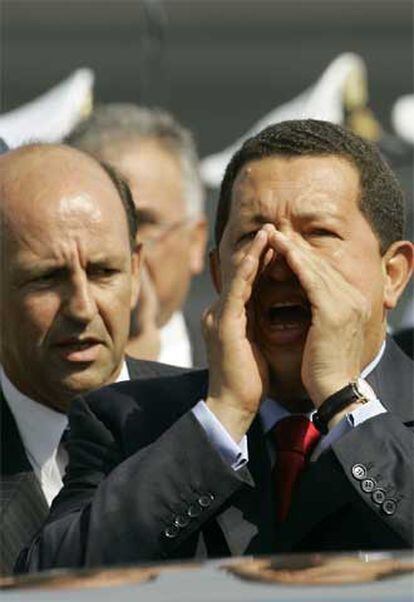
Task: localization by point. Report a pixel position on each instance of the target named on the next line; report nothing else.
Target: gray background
(218, 65)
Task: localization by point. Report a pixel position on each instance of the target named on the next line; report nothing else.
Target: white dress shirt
(271, 412)
(175, 343)
(41, 429)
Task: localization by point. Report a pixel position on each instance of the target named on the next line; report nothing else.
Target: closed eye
(46, 278)
(247, 236)
(321, 233)
(101, 271)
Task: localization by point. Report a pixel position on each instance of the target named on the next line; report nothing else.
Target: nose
(279, 270)
(79, 302)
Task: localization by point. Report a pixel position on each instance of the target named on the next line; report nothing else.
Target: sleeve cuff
(365, 411)
(233, 454)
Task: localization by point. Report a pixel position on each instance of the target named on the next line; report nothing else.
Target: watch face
(365, 390)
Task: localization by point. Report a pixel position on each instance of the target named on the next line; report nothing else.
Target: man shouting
(300, 436)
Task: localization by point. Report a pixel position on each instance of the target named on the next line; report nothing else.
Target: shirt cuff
(365, 411)
(233, 454)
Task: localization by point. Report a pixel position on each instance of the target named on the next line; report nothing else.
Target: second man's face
(68, 290)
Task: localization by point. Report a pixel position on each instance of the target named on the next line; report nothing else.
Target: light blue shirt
(271, 412)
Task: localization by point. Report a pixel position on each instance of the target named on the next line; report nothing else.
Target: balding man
(157, 155)
(69, 278)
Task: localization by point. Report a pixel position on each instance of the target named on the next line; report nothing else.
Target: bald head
(41, 173)
(68, 272)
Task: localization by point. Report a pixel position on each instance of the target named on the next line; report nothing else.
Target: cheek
(230, 260)
(364, 272)
(38, 312)
(114, 304)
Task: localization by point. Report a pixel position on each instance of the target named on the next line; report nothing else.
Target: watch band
(336, 403)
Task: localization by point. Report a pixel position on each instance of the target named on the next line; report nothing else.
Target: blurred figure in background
(158, 158)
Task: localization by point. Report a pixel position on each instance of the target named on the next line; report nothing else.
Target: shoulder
(140, 409)
(141, 369)
(393, 381)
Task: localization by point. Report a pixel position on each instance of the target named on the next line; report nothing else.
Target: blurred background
(219, 66)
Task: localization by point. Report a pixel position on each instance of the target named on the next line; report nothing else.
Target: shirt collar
(124, 374)
(175, 342)
(271, 411)
(40, 427)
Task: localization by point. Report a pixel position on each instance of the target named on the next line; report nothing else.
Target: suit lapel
(23, 506)
(392, 380)
(321, 491)
(134, 366)
(13, 456)
(23, 510)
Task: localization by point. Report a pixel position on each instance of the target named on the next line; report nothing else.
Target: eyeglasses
(152, 235)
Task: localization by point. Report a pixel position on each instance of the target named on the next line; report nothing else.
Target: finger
(240, 285)
(314, 273)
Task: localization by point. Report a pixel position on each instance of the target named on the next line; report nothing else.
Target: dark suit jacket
(23, 507)
(144, 483)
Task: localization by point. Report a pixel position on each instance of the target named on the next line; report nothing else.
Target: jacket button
(206, 500)
(171, 531)
(378, 496)
(368, 485)
(359, 471)
(389, 507)
(194, 510)
(181, 521)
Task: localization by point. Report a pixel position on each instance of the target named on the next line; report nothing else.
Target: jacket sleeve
(376, 457)
(115, 509)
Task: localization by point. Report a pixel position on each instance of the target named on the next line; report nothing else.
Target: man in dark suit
(158, 157)
(310, 258)
(69, 275)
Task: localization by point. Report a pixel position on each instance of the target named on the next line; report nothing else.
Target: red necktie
(295, 437)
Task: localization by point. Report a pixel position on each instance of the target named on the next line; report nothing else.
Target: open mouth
(288, 315)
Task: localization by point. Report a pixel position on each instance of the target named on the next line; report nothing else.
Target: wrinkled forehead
(297, 184)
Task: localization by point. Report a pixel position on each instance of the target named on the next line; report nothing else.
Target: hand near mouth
(333, 352)
(238, 371)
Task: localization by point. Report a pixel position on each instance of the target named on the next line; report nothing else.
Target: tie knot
(295, 434)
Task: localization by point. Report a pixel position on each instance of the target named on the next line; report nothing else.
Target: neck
(291, 396)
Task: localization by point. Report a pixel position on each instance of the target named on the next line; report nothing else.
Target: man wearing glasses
(158, 157)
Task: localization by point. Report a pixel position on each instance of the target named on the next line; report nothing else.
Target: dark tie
(295, 437)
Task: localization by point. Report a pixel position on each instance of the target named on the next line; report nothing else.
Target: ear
(198, 242)
(398, 264)
(136, 266)
(215, 273)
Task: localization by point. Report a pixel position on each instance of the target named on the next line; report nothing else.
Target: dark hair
(125, 195)
(381, 200)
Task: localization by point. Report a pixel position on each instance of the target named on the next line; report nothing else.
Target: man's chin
(285, 365)
(82, 381)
